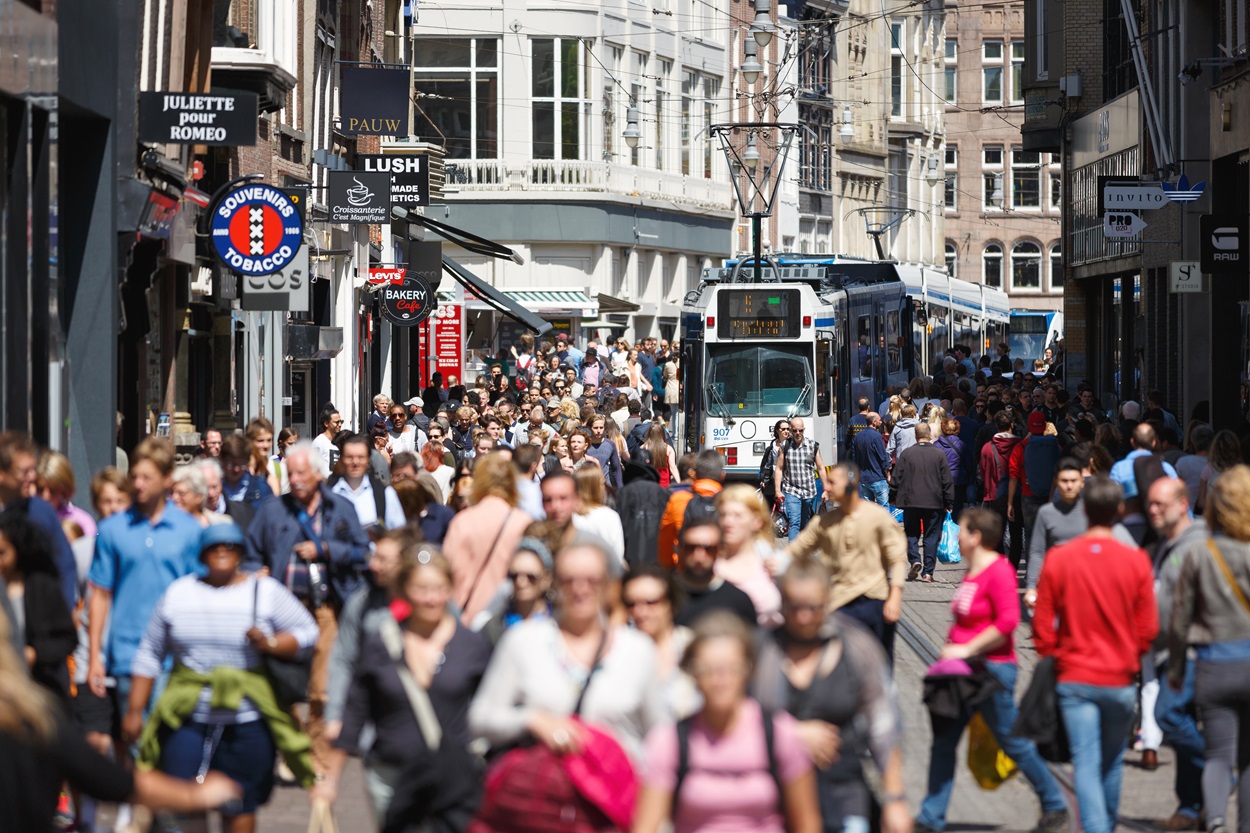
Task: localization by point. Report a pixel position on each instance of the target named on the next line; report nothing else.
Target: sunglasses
(633, 603)
(516, 576)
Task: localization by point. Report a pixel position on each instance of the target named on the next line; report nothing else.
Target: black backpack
(698, 508)
(683, 758)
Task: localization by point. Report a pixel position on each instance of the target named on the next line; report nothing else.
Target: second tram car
(810, 337)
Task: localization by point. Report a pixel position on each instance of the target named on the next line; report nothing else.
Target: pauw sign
(374, 101)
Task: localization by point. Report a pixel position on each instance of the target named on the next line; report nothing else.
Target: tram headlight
(759, 448)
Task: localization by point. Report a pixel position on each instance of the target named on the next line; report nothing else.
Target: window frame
(993, 64)
(986, 257)
(476, 74)
(950, 165)
(950, 69)
(1035, 257)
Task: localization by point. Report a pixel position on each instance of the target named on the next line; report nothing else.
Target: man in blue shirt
(868, 450)
(17, 478)
(138, 554)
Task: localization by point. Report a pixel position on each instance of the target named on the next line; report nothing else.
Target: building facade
(1002, 202)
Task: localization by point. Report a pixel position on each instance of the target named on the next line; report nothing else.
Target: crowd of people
(525, 612)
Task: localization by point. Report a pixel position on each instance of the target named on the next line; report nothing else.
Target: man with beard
(698, 547)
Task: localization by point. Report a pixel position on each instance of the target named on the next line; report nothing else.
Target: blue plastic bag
(948, 549)
(897, 513)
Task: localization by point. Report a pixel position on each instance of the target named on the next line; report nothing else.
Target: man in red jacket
(1096, 615)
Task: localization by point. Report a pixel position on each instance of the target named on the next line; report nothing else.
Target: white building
(530, 101)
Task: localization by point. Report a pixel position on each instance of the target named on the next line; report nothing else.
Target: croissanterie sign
(409, 303)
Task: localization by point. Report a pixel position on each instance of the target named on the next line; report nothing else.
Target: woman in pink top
(747, 541)
(731, 783)
(987, 609)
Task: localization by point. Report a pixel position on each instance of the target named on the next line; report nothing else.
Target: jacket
(49, 630)
(953, 448)
(923, 478)
(480, 542)
(641, 504)
(1205, 611)
(902, 437)
(1039, 719)
(674, 514)
(992, 469)
(273, 534)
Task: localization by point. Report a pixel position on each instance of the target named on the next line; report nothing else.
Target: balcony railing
(482, 175)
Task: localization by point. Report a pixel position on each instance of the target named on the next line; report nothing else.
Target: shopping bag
(989, 763)
(896, 513)
(948, 547)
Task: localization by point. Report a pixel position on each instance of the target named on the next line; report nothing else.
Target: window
(1233, 27)
(558, 108)
(896, 69)
(1026, 179)
(458, 80)
(992, 57)
(1041, 40)
(639, 69)
(816, 148)
(1026, 266)
(1056, 182)
(689, 86)
(992, 170)
(952, 259)
(952, 71)
(952, 177)
(992, 265)
(661, 85)
(864, 347)
(1056, 268)
(893, 343)
(1017, 72)
(711, 90)
(751, 379)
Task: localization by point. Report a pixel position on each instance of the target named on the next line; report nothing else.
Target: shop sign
(386, 274)
(290, 288)
(359, 198)
(195, 119)
(257, 229)
(425, 261)
(1182, 191)
(443, 336)
(1117, 224)
(1186, 276)
(409, 172)
(373, 101)
(158, 215)
(1134, 196)
(409, 303)
(1224, 239)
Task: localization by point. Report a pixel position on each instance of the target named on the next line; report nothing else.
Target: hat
(1037, 423)
(532, 544)
(216, 534)
(562, 336)
(416, 400)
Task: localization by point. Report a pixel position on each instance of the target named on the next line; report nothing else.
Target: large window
(1026, 178)
(951, 91)
(1056, 268)
(992, 265)
(711, 91)
(992, 71)
(1026, 266)
(458, 84)
(559, 99)
(752, 380)
(1017, 72)
(689, 87)
(896, 69)
(661, 110)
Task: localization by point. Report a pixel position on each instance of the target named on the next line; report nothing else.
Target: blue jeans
(800, 510)
(878, 493)
(999, 712)
(1175, 715)
(1098, 719)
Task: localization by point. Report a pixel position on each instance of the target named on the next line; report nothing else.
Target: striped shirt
(205, 627)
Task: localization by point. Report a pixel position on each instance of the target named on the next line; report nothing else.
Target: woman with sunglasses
(401, 434)
(528, 589)
(650, 596)
(781, 433)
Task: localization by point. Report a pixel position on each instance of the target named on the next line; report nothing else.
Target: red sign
(387, 274)
(442, 335)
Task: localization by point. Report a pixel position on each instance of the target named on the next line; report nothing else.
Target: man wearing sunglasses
(698, 547)
(794, 477)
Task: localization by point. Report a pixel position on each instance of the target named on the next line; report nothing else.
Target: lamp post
(756, 187)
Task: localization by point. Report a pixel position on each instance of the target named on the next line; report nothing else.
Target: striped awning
(543, 301)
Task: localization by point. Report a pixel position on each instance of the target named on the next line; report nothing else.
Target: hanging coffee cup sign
(408, 303)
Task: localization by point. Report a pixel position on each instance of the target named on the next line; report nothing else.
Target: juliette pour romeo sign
(226, 119)
(409, 303)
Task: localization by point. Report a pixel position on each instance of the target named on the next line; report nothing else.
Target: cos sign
(286, 290)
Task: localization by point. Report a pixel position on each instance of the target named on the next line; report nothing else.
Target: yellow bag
(989, 763)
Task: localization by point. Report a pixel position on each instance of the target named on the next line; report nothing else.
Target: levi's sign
(386, 274)
(186, 119)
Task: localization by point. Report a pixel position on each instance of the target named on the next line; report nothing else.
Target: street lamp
(751, 67)
(756, 187)
(847, 131)
(996, 196)
(933, 176)
(762, 28)
(631, 134)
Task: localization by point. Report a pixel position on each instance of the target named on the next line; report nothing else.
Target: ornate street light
(847, 131)
(762, 28)
(757, 186)
(996, 196)
(751, 66)
(751, 157)
(631, 134)
(933, 176)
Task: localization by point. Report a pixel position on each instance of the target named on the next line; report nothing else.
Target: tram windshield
(757, 380)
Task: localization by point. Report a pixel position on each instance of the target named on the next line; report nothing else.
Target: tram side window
(894, 347)
(878, 356)
(939, 338)
(864, 339)
(824, 375)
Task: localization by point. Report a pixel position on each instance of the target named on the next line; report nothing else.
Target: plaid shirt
(798, 473)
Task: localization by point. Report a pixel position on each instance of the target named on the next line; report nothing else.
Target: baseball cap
(217, 534)
(416, 400)
(1037, 423)
(562, 336)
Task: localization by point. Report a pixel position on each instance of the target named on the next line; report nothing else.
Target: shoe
(927, 578)
(1216, 826)
(914, 572)
(283, 773)
(1056, 821)
(1149, 760)
(1178, 822)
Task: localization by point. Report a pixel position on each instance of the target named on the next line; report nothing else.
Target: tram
(809, 335)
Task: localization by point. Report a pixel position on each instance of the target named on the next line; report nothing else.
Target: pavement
(1146, 796)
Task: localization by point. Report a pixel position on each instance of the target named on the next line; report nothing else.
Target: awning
(570, 302)
(492, 297)
(609, 304)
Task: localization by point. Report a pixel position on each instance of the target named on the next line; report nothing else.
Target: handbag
(1229, 578)
(287, 677)
(530, 789)
(442, 790)
(990, 765)
(948, 547)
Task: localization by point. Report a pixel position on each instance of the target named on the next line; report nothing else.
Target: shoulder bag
(287, 677)
(1229, 578)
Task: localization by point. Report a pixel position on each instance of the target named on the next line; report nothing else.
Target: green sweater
(229, 686)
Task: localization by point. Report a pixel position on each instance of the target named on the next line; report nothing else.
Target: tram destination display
(762, 312)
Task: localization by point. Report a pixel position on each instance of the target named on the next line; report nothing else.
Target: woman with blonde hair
(56, 483)
(593, 516)
(1211, 618)
(483, 536)
(746, 546)
(569, 410)
(612, 433)
(1224, 453)
(894, 411)
(672, 388)
(434, 460)
(260, 431)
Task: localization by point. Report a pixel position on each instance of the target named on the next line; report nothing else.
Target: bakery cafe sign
(408, 303)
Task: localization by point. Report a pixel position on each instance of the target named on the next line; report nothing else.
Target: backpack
(1000, 489)
(683, 758)
(379, 495)
(698, 508)
(1041, 456)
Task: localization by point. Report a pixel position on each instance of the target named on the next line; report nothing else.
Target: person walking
(748, 544)
(870, 456)
(594, 517)
(768, 463)
(1057, 523)
(926, 493)
(605, 452)
(377, 506)
(953, 447)
(798, 465)
(33, 587)
(1096, 616)
(698, 548)
(986, 611)
(996, 478)
(864, 551)
(709, 479)
(650, 597)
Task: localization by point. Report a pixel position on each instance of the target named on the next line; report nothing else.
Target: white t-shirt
(328, 451)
